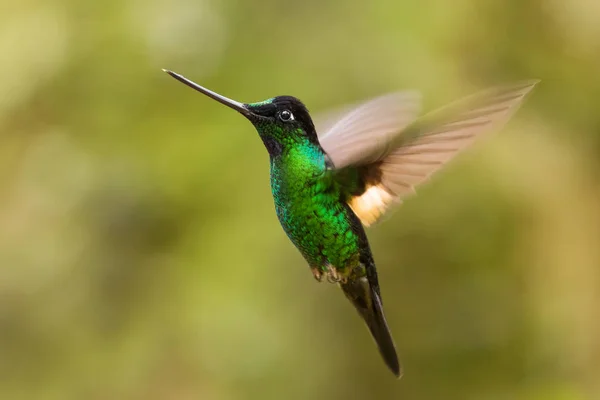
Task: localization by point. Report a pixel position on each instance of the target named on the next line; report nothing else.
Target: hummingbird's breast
(309, 207)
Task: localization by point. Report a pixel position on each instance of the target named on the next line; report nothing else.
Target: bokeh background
(140, 255)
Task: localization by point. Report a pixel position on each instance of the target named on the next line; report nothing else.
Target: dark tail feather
(368, 304)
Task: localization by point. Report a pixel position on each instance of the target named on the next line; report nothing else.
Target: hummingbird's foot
(333, 276)
(317, 274)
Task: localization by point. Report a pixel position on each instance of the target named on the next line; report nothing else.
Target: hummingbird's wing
(416, 152)
(324, 121)
(360, 133)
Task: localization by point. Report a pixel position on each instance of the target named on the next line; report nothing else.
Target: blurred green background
(140, 255)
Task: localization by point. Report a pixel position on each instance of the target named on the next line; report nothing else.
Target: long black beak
(236, 105)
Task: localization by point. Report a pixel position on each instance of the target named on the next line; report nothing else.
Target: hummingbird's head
(282, 122)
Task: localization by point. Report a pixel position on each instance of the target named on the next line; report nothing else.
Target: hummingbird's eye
(286, 116)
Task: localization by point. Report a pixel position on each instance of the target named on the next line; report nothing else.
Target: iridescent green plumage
(309, 206)
(327, 187)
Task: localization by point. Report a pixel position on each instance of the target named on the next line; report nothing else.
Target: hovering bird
(330, 181)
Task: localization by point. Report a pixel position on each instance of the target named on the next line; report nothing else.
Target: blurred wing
(324, 121)
(425, 146)
(364, 133)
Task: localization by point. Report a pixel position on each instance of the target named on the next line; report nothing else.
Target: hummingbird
(331, 180)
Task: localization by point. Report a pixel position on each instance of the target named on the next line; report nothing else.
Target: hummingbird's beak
(236, 105)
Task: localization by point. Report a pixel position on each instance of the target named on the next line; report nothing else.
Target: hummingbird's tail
(367, 302)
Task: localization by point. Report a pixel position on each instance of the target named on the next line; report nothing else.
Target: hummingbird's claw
(317, 274)
(333, 276)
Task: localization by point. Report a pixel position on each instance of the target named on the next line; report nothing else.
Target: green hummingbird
(330, 181)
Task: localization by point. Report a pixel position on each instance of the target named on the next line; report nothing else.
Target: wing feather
(428, 144)
(362, 134)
